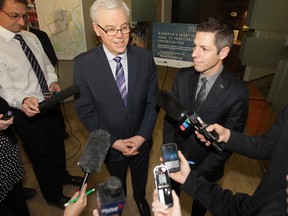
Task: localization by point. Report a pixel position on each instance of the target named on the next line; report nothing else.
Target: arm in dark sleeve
(216, 199)
(151, 109)
(258, 147)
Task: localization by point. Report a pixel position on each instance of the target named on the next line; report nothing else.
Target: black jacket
(270, 196)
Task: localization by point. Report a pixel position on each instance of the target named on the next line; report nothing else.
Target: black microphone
(176, 110)
(58, 97)
(94, 154)
(110, 197)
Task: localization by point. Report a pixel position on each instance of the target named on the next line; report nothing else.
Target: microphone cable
(71, 132)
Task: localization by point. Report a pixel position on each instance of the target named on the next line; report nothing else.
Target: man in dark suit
(221, 98)
(128, 114)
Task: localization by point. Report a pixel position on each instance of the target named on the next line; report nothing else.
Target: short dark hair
(223, 32)
(2, 2)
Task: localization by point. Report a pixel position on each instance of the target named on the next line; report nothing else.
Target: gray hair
(107, 5)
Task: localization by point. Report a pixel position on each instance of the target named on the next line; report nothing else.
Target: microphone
(58, 97)
(110, 197)
(94, 154)
(176, 110)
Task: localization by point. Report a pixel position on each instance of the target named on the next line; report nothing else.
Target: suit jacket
(270, 196)
(100, 105)
(226, 104)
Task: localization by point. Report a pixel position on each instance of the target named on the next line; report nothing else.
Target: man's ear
(224, 52)
(96, 29)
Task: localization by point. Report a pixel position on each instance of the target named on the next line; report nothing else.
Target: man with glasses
(26, 75)
(118, 89)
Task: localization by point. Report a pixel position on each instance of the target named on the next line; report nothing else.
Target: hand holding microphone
(223, 133)
(175, 109)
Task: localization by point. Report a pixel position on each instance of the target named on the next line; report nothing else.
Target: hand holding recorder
(175, 109)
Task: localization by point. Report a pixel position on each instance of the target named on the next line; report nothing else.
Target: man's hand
(30, 106)
(136, 142)
(129, 147)
(181, 175)
(54, 87)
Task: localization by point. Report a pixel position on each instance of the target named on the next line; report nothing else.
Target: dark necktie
(120, 80)
(201, 94)
(34, 63)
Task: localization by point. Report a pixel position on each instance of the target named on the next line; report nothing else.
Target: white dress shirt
(17, 77)
(113, 64)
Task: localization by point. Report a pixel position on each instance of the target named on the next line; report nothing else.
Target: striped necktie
(34, 63)
(201, 94)
(120, 79)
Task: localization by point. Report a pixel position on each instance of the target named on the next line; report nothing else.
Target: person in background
(210, 91)
(23, 84)
(12, 201)
(269, 197)
(50, 52)
(118, 90)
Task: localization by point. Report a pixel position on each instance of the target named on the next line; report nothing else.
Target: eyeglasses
(17, 16)
(113, 31)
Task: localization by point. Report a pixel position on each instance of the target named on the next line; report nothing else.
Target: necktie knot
(204, 80)
(117, 59)
(18, 37)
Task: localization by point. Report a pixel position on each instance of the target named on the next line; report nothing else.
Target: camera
(170, 156)
(110, 197)
(7, 115)
(163, 185)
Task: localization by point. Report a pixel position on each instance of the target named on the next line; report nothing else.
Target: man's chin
(16, 30)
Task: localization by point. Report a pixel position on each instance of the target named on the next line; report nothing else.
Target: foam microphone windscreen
(95, 151)
(171, 105)
(60, 96)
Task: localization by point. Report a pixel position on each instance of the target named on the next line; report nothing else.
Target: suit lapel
(192, 89)
(106, 75)
(132, 76)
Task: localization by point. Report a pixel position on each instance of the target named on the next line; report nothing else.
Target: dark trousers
(43, 143)
(14, 203)
(139, 173)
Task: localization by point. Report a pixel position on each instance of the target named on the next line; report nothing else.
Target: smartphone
(163, 185)
(170, 157)
(48, 94)
(7, 115)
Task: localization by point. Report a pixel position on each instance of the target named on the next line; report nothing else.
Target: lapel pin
(221, 86)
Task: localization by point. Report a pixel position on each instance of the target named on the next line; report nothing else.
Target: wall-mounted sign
(172, 44)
